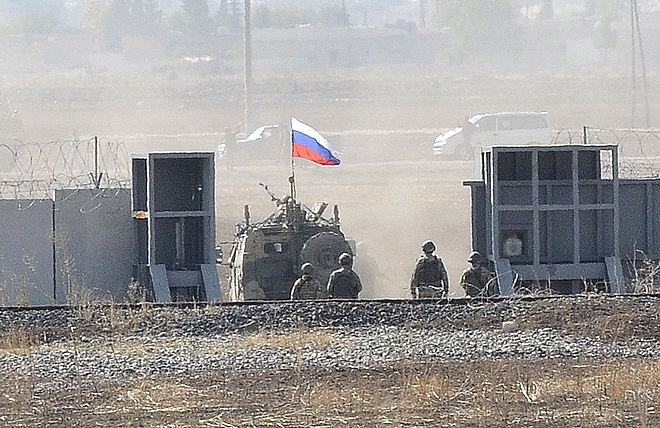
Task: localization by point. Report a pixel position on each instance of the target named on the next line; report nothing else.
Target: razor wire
(638, 149)
(36, 170)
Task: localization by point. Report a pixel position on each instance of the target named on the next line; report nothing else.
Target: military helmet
(307, 268)
(428, 247)
(345, 259)
(475, 256)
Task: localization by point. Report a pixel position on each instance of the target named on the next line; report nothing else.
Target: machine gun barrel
(272, 195)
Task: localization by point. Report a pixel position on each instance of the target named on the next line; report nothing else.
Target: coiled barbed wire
(37, 170)
(639, 149)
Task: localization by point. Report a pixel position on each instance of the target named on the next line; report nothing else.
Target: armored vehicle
(266, 257)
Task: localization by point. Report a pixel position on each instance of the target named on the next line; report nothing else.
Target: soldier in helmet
(344, 283)
(477, 280)
(307, 287)
(429, 281)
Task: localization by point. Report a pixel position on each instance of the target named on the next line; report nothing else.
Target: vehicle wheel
(463, 152)
(322, 251)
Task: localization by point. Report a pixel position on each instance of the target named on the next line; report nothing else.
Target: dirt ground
(388, 208)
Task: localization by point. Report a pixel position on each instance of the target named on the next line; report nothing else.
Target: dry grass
(17, 340)
(495, 394)
(549, 393)
(299, 338)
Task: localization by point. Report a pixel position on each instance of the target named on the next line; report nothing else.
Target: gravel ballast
(99, 345)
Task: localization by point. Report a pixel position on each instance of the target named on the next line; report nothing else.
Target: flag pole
(292, 178)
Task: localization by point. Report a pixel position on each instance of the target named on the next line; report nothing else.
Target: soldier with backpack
(477, 280)
(344, 283)
(307, 287)
(429, 281)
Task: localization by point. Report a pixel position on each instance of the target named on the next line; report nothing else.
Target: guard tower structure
(554, 215)
(174, 226)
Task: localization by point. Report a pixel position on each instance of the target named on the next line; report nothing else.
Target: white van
(494, 129)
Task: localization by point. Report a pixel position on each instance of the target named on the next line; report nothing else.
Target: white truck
(494, 129)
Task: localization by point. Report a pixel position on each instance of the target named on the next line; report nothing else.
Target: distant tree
(197, 16)
(39, 23)
(605, 13)
(128, 18)
(137, 17)
(344, 12)
(235, 16)
(222, 17)
(547, 12)
(153, 17)
(144, 17)
(263, 17)
(482, 25)
(334, 15)
(113, 24)
(38, 17)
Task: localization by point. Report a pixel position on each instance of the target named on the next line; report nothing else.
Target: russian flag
(309, 144)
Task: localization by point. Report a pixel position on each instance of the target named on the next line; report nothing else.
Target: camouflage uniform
(307, 288)
(477, 280)
(344, 283)
(429, 281)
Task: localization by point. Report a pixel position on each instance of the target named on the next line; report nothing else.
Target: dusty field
(388, 208)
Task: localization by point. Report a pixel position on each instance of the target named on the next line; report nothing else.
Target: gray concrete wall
(26, 252)
(640, 218)
(93, 244)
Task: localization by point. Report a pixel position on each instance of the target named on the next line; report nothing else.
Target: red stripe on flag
(300, 151)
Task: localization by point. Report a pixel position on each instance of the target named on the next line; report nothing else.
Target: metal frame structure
(562, 205)
(174, 225)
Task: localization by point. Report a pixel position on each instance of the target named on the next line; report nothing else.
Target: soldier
(344, 283)
(429, 281)
(476, 280)
(307, 287)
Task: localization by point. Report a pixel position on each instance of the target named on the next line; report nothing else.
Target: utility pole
(247, 42)
(636, 36)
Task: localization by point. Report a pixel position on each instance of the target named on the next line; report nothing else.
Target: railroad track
(363, 302)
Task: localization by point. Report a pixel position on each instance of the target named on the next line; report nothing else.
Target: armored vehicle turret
(267, 255)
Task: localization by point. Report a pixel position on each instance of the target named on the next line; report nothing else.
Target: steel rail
(364, 302)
